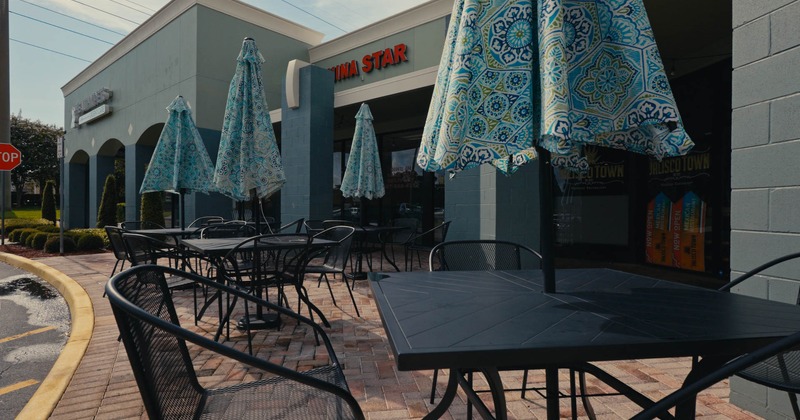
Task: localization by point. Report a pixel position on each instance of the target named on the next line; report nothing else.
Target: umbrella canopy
(248, 161)
(180, 162)
(554, 74)
(522, 77)
(363, 176)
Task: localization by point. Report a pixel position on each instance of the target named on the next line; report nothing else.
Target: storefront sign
(94, 114)
(91, 104)
(376, 61)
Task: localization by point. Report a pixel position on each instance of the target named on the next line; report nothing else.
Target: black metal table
(362, 239)
(488, 321)
(216, 249)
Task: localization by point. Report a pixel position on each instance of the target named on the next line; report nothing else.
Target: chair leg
(350, 290)
(325, 276)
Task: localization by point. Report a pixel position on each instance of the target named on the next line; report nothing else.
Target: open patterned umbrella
(180, 161)
(363, 176)
(523, 77)
(248, 162)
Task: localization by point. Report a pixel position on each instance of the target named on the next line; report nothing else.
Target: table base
(264, 322)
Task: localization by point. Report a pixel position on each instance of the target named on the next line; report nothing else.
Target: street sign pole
(3, 207)
(60, 152)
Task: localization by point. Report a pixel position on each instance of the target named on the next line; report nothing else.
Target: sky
(51, 41)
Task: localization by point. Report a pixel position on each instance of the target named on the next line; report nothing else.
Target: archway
(76, 194)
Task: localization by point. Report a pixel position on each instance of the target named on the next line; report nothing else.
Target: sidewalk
(103, 386)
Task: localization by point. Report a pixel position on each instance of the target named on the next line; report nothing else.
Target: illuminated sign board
(376, 61)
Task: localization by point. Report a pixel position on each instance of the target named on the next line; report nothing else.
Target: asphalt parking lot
(34, 327)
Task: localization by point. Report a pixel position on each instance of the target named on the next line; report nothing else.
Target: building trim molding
(175, 9)
(403, 21)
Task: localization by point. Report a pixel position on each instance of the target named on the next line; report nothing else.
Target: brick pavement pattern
(104, 387)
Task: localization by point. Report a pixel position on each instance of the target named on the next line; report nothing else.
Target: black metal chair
(292, 227)
(313, 226)
(228, 230)
(424, 242)
(139, 225)
(117, 247)
(738, 366)
(204, 221)
(334, 259)
(781, 371)
(160, 349)
(255, 265)
(410, 226)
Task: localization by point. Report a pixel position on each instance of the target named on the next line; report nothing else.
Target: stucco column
(307, 148)
(76, 182)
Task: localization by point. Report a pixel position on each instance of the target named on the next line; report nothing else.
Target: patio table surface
(103, 387)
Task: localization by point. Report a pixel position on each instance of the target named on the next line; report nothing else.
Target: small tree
(153, 207)
(107, 214)
(49, 202)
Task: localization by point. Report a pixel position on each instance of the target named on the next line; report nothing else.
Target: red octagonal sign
(10, 157)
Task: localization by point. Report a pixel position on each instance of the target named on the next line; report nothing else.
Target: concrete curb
(44, 400)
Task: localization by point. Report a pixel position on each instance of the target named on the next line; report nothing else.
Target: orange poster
(656, 242)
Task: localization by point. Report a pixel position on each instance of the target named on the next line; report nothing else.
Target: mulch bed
(31, 253)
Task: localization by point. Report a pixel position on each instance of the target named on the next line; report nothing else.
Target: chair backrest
(329, 223)
(292, 227)
(410, 226)
(482, 255)
(434, 235)
(143, 249)
(137, 225)
(205, 221)
(313, 226)
(781, 371)
(117, 245)
(337, 255)
(140, 300)
(256, 260)
(156, 346)
(228, 230)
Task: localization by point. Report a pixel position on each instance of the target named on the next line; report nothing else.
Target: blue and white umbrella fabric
(554, 74)
(248, 162)
(180, 161)
(363, 176)
(519, 77)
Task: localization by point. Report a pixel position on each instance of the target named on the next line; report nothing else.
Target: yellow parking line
(25, 334)
(18, 385)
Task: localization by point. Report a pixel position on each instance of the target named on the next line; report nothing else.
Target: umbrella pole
(253, 206)
(546, 231)
(181, 192)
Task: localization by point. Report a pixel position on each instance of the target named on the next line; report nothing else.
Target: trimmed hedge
(53, 244)
(90, 242)
(38, 240)
(22, 235)
(14, 224)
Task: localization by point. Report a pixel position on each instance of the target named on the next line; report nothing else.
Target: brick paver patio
(104, 387)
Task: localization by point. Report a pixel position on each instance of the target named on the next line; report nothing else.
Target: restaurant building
(727, 206)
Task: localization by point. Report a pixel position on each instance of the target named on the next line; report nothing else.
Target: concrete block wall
(765, 175)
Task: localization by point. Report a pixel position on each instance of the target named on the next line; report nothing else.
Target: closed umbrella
(248, 162)
(520, 79)
(180, 162)
(363, 177)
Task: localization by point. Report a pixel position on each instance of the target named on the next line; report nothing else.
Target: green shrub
(49, 201)
(77, 233)
(13, 224)
(120, 212)
(90, 242)
(37, 240)
(23, 234)
(53, 244)
(29, 239)
(107, 213)
(153, 207)
(48, 228)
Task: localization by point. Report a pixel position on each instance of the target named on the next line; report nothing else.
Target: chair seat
(781, 372)
(278, 398)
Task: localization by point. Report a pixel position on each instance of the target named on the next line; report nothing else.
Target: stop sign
(10, 157)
